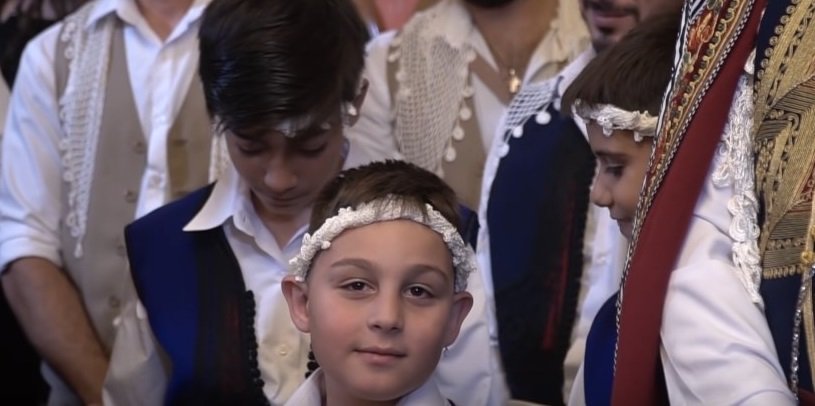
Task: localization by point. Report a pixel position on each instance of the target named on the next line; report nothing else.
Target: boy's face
(380, 307)
(284, 174)
(622, 163)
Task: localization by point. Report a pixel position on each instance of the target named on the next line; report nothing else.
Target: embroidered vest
(101, 273)
(537, 212)
(785, 182)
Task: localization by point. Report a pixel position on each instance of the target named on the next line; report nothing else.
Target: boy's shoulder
(173, 216)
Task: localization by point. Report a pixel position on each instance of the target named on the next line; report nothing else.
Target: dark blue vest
(537, 215)
(199, 309)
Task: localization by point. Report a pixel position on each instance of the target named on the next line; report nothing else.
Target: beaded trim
(386, 209)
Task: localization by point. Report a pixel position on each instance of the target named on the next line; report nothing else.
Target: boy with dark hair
(282, 84)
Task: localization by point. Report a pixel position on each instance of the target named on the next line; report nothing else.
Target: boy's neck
(163, 15)
(282, 227)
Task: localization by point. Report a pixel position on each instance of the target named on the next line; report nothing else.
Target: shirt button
(139, 147)
(283, 350)
(121, 250)
(130, 196)
(602, 259)
(154, 181)
(114, 302)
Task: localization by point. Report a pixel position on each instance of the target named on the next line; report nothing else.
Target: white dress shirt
(309, 394)
(373, 133)
(604, 248)
(468, 373)
(160, 73)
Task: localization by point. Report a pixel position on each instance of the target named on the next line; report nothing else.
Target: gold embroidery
(710, 36)
(778, 273)
(785, 153)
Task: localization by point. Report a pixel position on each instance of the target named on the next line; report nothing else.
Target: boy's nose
(280, 177)
(387, 314)
(600, 194)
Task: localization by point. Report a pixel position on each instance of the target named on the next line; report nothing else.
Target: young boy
(380, 286)
(710, 332)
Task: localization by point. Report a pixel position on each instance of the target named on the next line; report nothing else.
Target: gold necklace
(513, 82)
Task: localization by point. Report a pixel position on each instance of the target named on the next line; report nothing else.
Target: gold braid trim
(785, 154)
(706, 40)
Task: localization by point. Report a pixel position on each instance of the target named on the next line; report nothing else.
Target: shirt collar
(127, 9)
(230, 199)
(309, 393)
(570, 72)
(567, 35)
(223, 203)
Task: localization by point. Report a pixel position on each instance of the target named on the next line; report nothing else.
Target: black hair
(632, 74)
(265, 61)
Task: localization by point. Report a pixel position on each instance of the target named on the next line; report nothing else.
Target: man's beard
(489, 3)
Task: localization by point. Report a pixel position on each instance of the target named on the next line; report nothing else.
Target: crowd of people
(489, 202)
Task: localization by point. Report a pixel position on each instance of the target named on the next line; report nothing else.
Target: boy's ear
(358, 100)
(296, 294)
(462, 304)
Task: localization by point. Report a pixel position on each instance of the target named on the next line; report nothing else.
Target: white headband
(291, 127)
(611, 118)
(386, 209)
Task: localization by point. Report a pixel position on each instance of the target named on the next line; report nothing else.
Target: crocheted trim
(735, 167)
(611, 118)
(386, 209)
(432, 58)
(81, 106)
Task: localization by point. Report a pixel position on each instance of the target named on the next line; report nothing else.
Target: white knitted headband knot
(611, 118)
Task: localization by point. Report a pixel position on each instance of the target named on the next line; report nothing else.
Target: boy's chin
(626, 228)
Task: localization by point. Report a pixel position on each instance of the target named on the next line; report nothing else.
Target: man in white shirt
(106, 123)
(550, 258)
(282, 82)
(439, 86)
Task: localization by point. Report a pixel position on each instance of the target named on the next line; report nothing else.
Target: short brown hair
(412, 184)
(634, 73)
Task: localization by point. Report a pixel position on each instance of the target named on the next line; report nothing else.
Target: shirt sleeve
(31, 169)
(138, 373)
(717, 347)
(372, 137)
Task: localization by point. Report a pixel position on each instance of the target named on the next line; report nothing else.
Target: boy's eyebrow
(419, 269)
(414, 270)
(608, 154)
(355, 262)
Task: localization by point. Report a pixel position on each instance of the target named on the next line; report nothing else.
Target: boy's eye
(312, 151)
(250, 149)
(355, 286)
(418, 292)
(614, 170)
